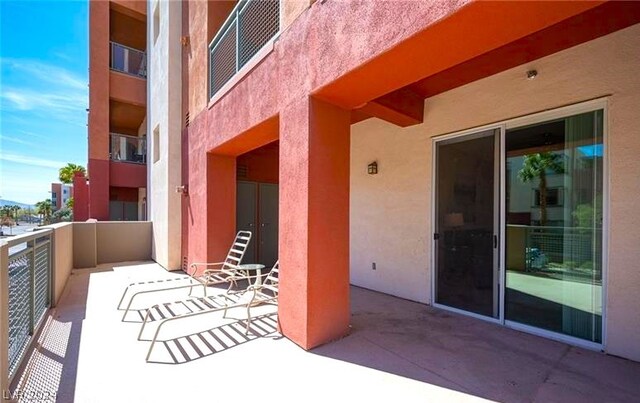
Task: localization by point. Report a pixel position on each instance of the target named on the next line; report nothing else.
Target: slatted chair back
(271, 283)
(236, 252)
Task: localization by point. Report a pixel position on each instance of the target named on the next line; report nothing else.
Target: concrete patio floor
(397, 351)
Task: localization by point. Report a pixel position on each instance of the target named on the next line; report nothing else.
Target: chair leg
(246, 332)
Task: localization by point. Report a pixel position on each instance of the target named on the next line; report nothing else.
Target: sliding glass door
(554, 194)
(518, 229)
(466, 223)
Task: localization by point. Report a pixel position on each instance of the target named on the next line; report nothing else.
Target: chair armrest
(195, 265)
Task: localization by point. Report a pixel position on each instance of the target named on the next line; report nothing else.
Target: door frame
(497, 218)
(520, 121)
(258, 224)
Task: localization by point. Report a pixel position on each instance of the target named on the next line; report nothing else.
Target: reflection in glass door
(466, 223)
(553, 245)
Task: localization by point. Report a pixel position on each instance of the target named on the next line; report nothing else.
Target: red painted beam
(402, 108)
(475, 29)
(592, 24)
(261, 134)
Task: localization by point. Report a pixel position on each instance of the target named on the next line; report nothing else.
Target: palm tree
(536, 166)
(67, 172)
(44, 209)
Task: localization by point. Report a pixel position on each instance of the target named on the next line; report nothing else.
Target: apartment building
(60, 195)
(117, 156)
(476, 156)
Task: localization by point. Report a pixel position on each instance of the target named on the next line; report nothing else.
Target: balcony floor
(398, 350)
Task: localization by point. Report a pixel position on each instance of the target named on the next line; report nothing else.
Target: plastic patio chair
(227, 272)
(252, 296)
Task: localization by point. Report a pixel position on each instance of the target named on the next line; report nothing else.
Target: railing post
(237, 39)
(4, 319)
(32, 287)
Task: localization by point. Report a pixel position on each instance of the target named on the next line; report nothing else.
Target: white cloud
(16, 140)
(33, 161)
(44, 72)
(45, 89)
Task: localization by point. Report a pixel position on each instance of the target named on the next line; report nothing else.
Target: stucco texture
(164, 118)
(390, 211)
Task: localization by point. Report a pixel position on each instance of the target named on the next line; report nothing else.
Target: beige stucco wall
(110, 241)
(84, 242)
(63, 257)
(123, 241)
(390, 212)
(164, 112)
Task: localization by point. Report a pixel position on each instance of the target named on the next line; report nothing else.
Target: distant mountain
(12, 203)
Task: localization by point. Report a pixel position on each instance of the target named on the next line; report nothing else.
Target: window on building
(554, 197)
(156, 22)
(156, 144)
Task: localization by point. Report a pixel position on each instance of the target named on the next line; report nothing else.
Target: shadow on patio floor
(475, 357)
(187, 348)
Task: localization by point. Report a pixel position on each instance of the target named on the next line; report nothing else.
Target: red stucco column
(221, 206)
(80, 198)
(99, 110)
(314, 222)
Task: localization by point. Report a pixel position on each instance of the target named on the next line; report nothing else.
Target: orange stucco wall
(128, 89)
(57, 189)
(345, 54)
(124, 22)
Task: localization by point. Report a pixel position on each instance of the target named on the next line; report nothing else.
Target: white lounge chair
(252, 296)
(226, 272)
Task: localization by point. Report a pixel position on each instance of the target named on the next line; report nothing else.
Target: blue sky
(43, 94)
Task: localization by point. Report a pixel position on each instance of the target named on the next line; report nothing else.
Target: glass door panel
(553, 239)
(466, 201)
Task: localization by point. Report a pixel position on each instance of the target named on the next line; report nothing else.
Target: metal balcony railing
(249, 27)
(555, 248)
(126, 148)
(128, 60)
(29, 270)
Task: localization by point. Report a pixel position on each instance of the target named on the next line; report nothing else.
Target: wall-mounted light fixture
(531, 74)
(372, 169)
(182, 189)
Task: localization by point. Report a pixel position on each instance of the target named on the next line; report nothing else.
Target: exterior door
(467, 175)
(246, 216)
(257, 211)
(268, 231)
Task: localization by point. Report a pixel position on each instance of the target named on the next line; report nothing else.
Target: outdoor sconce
(182, 189)
(372, 169)
(531, 74)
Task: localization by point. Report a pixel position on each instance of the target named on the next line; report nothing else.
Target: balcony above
(128, 60)
(128, 155)
(126, 148)
(251, 26)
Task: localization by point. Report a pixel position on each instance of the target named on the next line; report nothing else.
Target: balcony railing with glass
(126, 148)
(128, 60)
(249, 27)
